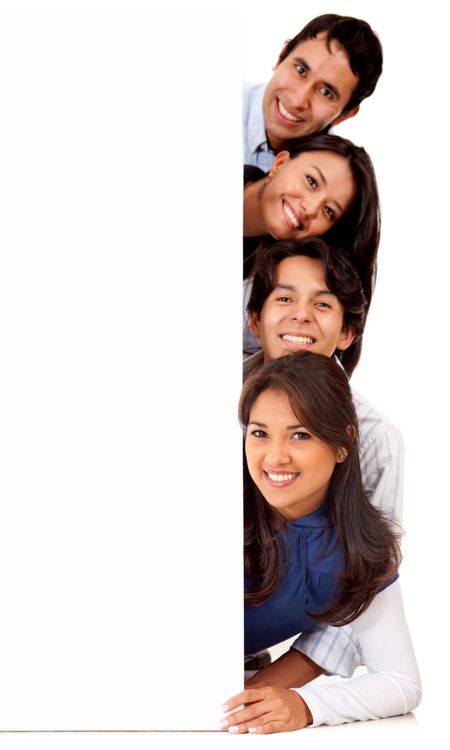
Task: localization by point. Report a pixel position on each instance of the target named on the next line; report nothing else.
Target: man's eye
(325, 91)
(330, 213)
(323, 305)
(312, 182)
(300, 70)
(301, 436)
(283, 299)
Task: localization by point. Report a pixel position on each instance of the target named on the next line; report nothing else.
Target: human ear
(346, 338)
(341, 455)
(281, 158)
(345, 116)
(254, 323)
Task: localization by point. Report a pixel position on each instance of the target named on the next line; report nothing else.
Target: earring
(262, 188)
(342, 455)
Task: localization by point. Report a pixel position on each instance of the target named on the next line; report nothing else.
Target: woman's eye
(330, 213)
(300, 70)
(311, 181)
(301, 436)
(259, 433)
(283, 299)
(323, 305)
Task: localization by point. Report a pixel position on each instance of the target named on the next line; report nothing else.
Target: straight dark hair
(361, 44)
(340, 276)
(320, 397)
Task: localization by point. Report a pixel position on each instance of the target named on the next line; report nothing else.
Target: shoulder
(252, 91)
(373, 424)
(253, 363)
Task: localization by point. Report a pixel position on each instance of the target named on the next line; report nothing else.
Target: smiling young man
(320, 79)
(307, 295)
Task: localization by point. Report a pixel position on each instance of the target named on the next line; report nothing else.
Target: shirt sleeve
(336, 650)
(391, 685)
(382, 457)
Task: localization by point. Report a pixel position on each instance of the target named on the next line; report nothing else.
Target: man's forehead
(320, 42)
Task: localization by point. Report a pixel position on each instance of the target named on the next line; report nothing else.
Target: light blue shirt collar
(256, 147)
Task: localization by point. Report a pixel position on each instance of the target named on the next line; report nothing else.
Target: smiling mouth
(281, 479)
(287, 115)
(291, 217)
(303, 340)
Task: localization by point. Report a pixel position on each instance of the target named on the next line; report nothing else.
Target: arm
(381, 455)
(391, 686)
(336, 650)
(292, 669)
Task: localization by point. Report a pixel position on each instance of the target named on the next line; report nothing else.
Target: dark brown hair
(340, 277)
(358, 231)
(362, 46)
(320, 397)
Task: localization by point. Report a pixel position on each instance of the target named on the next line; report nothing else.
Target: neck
(253, 222)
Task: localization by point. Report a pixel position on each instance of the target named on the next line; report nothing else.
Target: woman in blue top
(316, 550)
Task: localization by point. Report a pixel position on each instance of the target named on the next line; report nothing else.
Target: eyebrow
(291, 288)
(330, 86)
(261, 424)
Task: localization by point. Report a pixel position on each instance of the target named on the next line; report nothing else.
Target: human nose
(310, 206)
(277, 454)
(301, 311)
(301, 97)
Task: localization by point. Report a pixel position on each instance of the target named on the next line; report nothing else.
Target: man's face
(308, 91)
(301, 312)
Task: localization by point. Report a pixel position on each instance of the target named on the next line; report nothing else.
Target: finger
(250, 695)
(258, 726)
(271, 727)
(246, 714)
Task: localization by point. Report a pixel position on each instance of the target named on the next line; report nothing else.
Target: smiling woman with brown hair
(315, 550)
(325, 187)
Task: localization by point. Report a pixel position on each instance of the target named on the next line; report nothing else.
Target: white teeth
(297, 339)
(280, 477)
(287, 114)
(290, 214)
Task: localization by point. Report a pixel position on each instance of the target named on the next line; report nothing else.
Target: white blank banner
(120, 497)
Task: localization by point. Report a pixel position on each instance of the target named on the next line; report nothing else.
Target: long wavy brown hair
(320, 397)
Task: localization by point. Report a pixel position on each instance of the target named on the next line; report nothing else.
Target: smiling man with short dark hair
(320, 79)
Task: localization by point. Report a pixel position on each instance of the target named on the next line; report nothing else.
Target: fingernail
(252, 730)
(225, 708)
(223, 724)
(234, 729)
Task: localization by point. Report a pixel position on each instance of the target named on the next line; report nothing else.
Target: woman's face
(290, 466)
(306, 195)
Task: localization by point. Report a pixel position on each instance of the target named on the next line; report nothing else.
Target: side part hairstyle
(358, 231)
(361, 44)
(340, 277)
(320, 397)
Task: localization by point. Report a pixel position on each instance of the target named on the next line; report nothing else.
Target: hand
(266, 710)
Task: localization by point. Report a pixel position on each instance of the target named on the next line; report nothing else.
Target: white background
(120, 362)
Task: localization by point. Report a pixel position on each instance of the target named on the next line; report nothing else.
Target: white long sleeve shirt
(392, 684)
(381, 456)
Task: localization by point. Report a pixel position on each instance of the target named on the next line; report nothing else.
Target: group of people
(322, 467)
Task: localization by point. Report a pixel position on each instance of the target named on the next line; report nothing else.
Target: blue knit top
(313, 563)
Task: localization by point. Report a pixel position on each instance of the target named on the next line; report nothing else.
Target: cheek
(252, 460)
(319, 226)
(268, 326)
